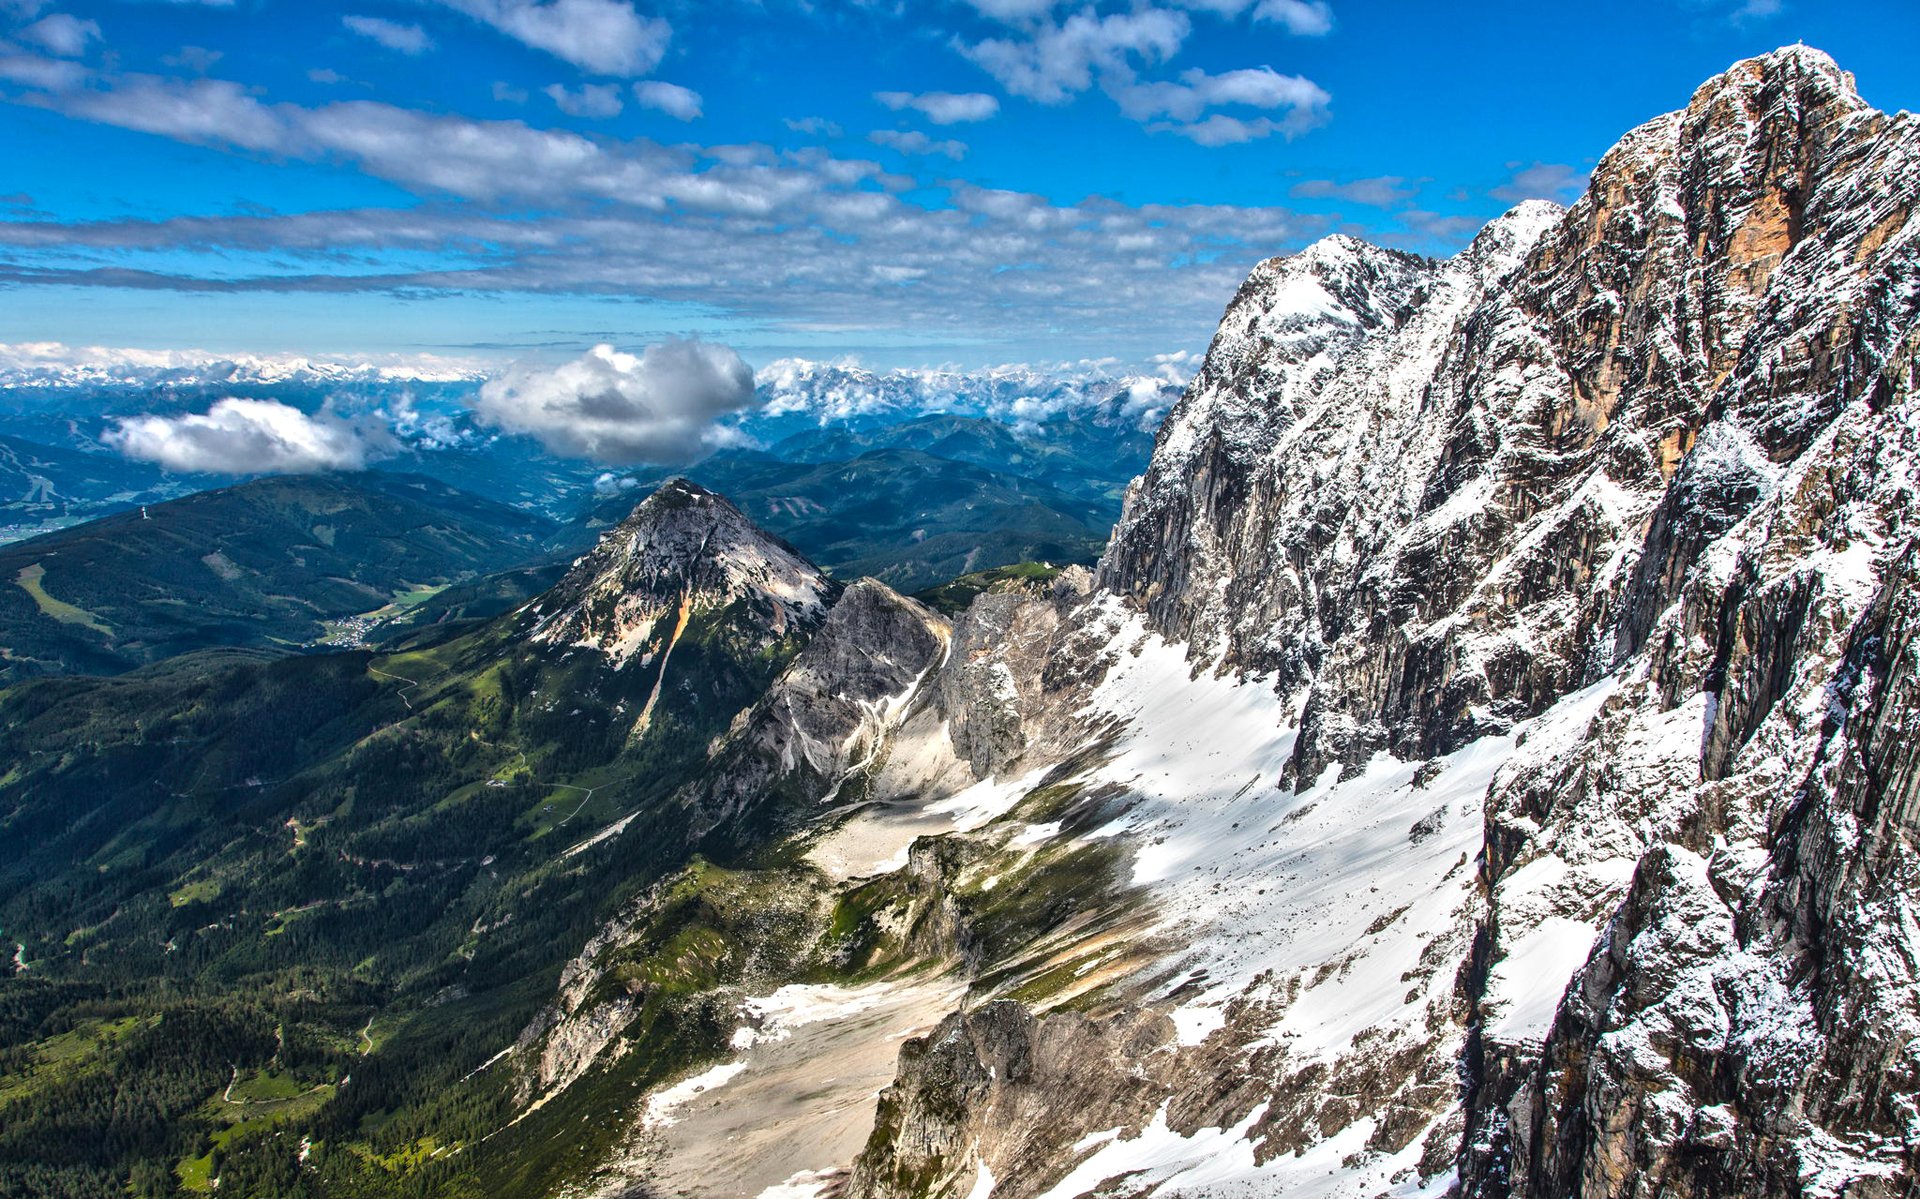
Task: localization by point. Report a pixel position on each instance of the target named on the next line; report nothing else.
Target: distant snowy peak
(841, 393)
(53, 365)
(684, 552)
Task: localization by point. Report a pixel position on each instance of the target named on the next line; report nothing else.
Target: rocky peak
(684, 550)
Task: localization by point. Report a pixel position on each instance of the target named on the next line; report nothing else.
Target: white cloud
(607, 37)
(394, 35)
(1197, 91)
(680, 103)
(237, 437)
(1184, 103)
(943, 108)
(53, 74)
(62, 34)
(199, 110)
(659, 406)
(1013, 11)
(1055, 61)
(597, 101)
(1305, 18)
(912, 141)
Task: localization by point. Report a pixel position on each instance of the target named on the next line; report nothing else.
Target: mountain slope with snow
(1483, 761)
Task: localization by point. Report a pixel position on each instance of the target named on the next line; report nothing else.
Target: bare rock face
(987, 1085)
(823, 730)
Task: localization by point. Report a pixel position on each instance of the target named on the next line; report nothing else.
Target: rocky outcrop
(1439, 531)
(823, 730)
(989, 1085)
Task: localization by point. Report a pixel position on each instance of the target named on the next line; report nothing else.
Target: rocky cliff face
(1602, 524)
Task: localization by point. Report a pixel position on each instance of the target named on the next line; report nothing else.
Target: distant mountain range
(909, 476)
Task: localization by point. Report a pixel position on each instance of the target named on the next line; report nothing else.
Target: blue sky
(971, 181)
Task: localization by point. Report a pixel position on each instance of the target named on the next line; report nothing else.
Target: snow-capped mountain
(52, 365)
(796, 393)
(1483, 762)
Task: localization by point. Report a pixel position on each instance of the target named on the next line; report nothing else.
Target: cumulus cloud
(1381, 191)
(680, 103)
(606, 37)
(597, 101)
(1198, 91)
(914, 142)
(943, 108)
(658, 406)
(394, 35)
(1054, 61)
(238, 437)
(61, 34)
(1554, 181)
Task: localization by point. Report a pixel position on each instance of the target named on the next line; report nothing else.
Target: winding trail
(411, 685)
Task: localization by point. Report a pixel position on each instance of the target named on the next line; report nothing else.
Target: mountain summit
(683, 551)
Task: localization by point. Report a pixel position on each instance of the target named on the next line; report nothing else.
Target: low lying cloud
(658, 406)
(241, 437)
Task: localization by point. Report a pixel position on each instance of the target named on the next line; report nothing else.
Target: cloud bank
(240, 437)
(658, 406)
